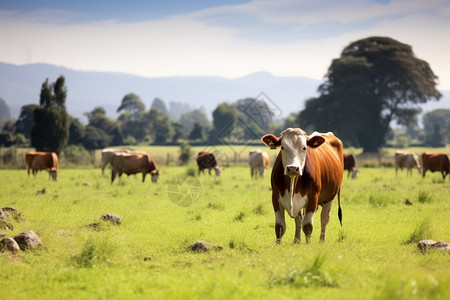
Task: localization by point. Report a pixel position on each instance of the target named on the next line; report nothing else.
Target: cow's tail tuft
(339, 209)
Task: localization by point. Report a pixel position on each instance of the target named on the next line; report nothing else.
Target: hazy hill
(20, 85)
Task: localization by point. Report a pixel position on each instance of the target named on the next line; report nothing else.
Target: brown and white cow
(406, 160)
(107, 155)
(38, 160)
(206, 160)
(308, 172)
(436, 162)
(259, 161)
(350, 165)
(133, 163)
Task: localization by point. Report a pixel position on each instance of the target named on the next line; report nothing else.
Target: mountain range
(20, 85)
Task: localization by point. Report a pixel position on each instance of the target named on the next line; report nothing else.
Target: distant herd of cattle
(307, 172)
(133, 162)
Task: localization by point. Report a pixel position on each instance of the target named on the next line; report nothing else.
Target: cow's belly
(131, 171)
(299, 203)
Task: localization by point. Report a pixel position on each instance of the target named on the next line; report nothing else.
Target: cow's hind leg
(324, 219)
(280, 225)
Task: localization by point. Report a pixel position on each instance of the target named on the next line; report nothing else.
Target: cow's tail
(339, 209)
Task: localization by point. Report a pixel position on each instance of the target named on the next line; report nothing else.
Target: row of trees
(376, 81)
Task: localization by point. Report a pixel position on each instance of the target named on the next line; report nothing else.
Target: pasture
(373, 256)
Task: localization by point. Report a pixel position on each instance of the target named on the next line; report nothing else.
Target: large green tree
(436, 125)
(376, 80)
(50, 130)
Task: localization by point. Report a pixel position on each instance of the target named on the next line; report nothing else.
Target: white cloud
(192, 44)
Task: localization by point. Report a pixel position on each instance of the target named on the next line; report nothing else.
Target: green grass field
(373, 256)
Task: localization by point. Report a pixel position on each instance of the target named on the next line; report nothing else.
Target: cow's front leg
(324, 218)
(280, 225)
(307, 225)
(298, 226)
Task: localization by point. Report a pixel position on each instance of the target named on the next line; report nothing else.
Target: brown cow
(206, 160)
(107, 155)
(307, 172)
(350, 165)
(406, 160)
(37, 160)
(133, 163)
(436, 162)
(258, 161)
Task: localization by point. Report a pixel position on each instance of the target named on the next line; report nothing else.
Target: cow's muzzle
(292, 170)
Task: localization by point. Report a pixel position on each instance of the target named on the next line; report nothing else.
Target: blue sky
(222, 38)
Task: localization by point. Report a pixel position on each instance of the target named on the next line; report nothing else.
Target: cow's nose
(292, 170)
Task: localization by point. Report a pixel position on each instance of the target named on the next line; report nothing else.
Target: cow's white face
(293, 153)
(218, 171)
(155, 176)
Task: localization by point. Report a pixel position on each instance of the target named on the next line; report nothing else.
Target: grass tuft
(424, 197)
(421, 232)
(94, 252)
(311, 275)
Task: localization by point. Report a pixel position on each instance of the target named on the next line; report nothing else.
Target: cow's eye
(282, 148)
(304, 148)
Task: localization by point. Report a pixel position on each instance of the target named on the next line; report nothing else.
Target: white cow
(406, 160)
(258, 161)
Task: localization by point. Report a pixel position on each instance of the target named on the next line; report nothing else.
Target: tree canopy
(50, 130)
(376, 80)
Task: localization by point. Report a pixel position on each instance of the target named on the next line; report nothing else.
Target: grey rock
(28, 239)
(9, 244)
(116, 220)
(425, 245)
(201, 246)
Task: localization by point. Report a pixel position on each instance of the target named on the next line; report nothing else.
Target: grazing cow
(133, 163)
(258, 161)
(436, 162)
(350, 165)
(37, 160)
(406, 160)
(206, 160)
(107, 155)
(307, 172)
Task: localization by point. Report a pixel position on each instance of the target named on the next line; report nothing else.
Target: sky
(229, 39)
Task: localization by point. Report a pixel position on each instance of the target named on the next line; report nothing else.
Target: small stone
(28, 239)
(116, 220)
(425, 245)
(408, 202)
(201, 246)
(9, 244)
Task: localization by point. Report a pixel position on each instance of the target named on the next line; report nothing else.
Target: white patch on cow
(298, 201)
(293, 151)
(218, 171)
(309, 219)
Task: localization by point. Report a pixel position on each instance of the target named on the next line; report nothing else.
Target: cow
(38, 160)
(307, 172)
(436, 162)
(107, 155)
(133, 163)
(206, 160)
(259, 161)
(406, 160)
(350, 165)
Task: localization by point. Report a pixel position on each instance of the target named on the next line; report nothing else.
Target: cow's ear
(271, 141)
(315, 141)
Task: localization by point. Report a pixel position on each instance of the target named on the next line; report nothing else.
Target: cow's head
(53, 173)
(218, 171)
(293, 143)
(155, 175)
